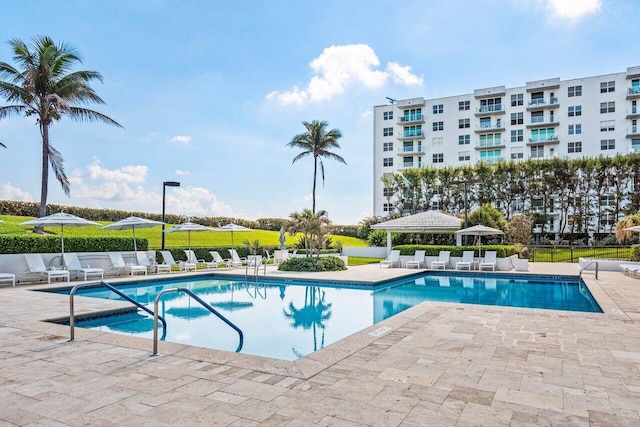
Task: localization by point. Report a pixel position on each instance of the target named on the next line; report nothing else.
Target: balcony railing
(633, 130)
(495, 108)
(542, 102)
(410, 150)
(634, 90)
(543, 139)
(543, 121)
(489, 126)
(411, 134)
(633, 111)
(411, 165)
(494, 143)
(411, 118)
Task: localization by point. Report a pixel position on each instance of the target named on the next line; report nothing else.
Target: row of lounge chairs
(443, 262)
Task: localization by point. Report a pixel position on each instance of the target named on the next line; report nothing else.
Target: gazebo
(429, 222)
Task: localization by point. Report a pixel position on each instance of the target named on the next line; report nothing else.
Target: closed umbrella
(188, 227)
(61, 219)
(282, 238)
(232, 227)
(131, 223)
(479, 230)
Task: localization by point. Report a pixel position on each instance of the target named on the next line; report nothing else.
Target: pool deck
(435, 364)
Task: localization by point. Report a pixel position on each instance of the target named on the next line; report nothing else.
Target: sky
(210, 92)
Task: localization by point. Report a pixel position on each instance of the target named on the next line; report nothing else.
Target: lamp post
(166, 184)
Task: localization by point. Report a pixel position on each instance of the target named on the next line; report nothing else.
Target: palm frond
(56, 161)
(86, 115)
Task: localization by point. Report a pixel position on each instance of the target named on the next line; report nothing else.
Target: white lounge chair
(35, 265)
(236, 261)
(191, 257)
(217, 258)
(151, 264)
(417, 261)
(118, 265)
(8, 277)
(280, 255)
(72, 262)
(466, 263)
(443, 260)
(182, 266)
(392, 260)
(489, 261)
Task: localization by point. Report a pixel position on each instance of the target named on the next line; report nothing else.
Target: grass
(12, 226)
(354, 261)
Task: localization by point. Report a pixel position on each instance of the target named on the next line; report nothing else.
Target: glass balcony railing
(541, 102)
(634, 90)
(412, 134)
(633, 130)
(633, 110)
(490, 143)
(411, 118)
(410, 150)
(490, 108)
(489, 126)
(544, 138)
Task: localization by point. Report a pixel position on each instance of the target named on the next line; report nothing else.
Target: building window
(435, 205)
(387, 146)
(517, 135)
(575, 129)
(490, 156)
(412, 115)
(543, 135)
(576, 111)
(607, 87)
(607, 144)
(517, 99)
(387, 132)
(438, 109)
(574, 91)
(388, 175)
(517, 118)
(464, 106)
(490, 140)
(464, 139)
(437, 141)
(387, 207)
(387, 161)
(385, 192)
(464, 123)
(574, 147)
(411, 131)
(635, 145)
(407, 162)
(438, 158)
(517, 153)
(464, 156)
(489, 105)
(608, 201)
(387, 115)
(537, 151)
(607, 126)
(438, 126)
(537, 117)
(607, 107)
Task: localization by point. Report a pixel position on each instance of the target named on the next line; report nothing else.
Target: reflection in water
(312, 314)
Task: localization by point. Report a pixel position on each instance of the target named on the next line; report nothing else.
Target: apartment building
(587, 116)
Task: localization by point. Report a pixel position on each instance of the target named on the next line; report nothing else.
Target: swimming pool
(289, 319)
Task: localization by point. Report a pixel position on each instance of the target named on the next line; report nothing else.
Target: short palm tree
(44, 86)
(317, 142)
(313, 227)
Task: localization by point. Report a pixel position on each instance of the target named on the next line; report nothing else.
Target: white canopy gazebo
(429, 222)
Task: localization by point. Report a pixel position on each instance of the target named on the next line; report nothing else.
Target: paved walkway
(438, 364)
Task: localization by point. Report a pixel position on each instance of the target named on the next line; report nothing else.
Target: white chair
(191, 257)
(280, 255)
(217, 258)
(182, 266)
(443, 260)
(236, 261)
(417, 261)
(35, 265)
(489, 262)
(8, 277)
(118, 265)
(466, 263)
(392, 260)
(72, 263)
(151, 264)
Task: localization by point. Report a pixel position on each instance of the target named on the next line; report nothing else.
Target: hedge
(502, 251)
(35, 243)
(329, 263)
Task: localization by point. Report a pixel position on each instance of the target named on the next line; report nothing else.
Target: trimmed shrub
(635, 253)
(40, 243)
(502, 251)
(329, 263)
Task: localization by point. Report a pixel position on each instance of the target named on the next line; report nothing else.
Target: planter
(521, 264)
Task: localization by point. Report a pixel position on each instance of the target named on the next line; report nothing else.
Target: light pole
(164, 191)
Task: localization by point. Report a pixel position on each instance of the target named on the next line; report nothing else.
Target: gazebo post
(458, 239)
(388, 242)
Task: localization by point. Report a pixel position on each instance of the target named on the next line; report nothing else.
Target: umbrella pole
(62, 244)
(135, 245)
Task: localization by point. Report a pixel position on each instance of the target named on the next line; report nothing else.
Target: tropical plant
(44, 86)
(313, 226)
(253, 247)
(316, 142)
(518, 229)
(622, 233)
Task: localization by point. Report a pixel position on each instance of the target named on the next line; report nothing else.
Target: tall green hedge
(36, 243)
(502, 251)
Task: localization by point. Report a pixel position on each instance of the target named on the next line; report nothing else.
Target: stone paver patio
(439, 364)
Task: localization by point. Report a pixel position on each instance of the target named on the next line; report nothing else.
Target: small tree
(487, 215)
(622, 233)
(313, 226)
(519, 229)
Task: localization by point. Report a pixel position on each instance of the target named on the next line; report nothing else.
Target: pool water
(287, 320)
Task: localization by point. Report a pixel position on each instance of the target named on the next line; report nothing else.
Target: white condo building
(588, 116)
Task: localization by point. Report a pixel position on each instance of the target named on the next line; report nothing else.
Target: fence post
(571, 253)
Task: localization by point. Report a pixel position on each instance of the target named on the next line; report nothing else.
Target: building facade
(588, 116)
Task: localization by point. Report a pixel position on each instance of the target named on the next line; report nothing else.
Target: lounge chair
(35, 265)
(215, 255)
(191, 257)
(489, 261)
(8, 277)
(417, 261)
(466, 263)
(236, 261)
(118, 265)
(443, 260)
(151, 264)
(392, 260)
(182, 266)
(280, 255)
(72, 262)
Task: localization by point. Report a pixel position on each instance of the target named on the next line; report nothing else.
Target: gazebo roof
(433, 222)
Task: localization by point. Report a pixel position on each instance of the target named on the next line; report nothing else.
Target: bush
(40, 243)
(502, 251)
(329, 263)
(635, 253)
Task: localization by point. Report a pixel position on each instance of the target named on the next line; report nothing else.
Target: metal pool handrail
(204, 304)
(117, 292)
(583, 268)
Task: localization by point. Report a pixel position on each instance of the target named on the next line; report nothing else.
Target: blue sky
(210, 92)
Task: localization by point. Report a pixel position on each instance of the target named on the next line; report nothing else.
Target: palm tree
(317, 141)
(44, 86)
(313, 226)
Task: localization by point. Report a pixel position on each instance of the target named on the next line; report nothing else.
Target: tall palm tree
(44, 86)
(317, 142)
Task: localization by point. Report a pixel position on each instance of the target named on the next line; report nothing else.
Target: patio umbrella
(232, 227)
(479, 230)
(62, 219)
(188, 227)
(282, 238)
(131, 223)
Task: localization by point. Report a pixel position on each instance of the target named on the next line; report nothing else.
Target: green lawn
(172, 240)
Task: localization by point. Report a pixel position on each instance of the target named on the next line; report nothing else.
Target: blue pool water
(287, 320)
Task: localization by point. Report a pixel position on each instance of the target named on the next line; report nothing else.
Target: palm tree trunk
(315, 172)
(44, 131)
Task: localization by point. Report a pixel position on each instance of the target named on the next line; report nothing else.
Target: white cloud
(573, 9)
(184, 139)
(9, 192)
(182, 173)
(340, 67)
(366, 114)
(129, 174)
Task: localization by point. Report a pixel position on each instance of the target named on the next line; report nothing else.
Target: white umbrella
(62, 219)
(131, 223)
(188, 227)
(232, 227)
(479, 230)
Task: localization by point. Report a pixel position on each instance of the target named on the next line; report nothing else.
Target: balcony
(410, 151)
(410, 165)
(489, 110)
(415, 118)
(634, 92)
(489, 127)
(411, 135)
(633, 131)
(541, 122)
(410, 103)
(541, 140)
(633, 112)
(490, 145)
(542, 103)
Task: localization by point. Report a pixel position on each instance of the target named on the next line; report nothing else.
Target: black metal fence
(574, 253)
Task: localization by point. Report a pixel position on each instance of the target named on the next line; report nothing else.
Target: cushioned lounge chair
(215, 255)
(392, 260)
(236, 261)
(72, 262)
(151, 264)
(119, 266)
(36, 266)
(191, 257)
(443, 260)
(182, 266)
(8, 278)
(489, 261)
(466, 263)
(417, 261)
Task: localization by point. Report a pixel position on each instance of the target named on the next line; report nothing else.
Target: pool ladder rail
(585, 267)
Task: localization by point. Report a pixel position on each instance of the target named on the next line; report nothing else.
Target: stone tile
(254, 390)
